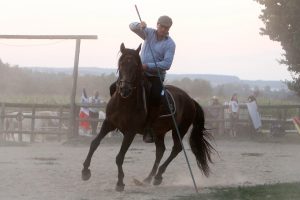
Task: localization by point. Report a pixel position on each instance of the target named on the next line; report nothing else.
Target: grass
(279, 191)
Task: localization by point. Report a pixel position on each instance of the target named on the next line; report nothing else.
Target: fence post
(60, 123)
(76, 125)
(19, 119)
(221, 124)
(73, 96)
(284, 118)
(32, 135)
(2, 117)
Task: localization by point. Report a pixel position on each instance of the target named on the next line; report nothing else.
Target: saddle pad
(165, 110)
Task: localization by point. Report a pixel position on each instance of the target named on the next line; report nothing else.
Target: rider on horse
(157, 54)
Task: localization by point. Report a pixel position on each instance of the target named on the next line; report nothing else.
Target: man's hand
(143, 25)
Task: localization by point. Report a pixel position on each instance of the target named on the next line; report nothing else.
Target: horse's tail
(199, 141)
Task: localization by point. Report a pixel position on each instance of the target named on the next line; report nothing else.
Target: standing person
(251, 98)
(214, 109)
(163, 48)
(215, 113)
(234, 113)
(84, 112)
(253, 112)
(94, 111)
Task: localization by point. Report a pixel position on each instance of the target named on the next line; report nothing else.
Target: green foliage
(195, 88)
(23, 85)
(282, 24)
(286, 191)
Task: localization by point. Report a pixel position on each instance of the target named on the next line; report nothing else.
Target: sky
(212, 37)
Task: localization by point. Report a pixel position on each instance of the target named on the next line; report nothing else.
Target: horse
(126, 111)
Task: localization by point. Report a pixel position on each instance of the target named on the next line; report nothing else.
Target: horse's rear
(188, 112)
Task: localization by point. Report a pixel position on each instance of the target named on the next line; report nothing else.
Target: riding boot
(153, 114)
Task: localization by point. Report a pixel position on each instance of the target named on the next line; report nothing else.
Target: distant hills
(212, 78)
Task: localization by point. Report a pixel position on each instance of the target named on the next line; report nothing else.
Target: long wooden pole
(173, 117)
(74, 88)
(49, 37)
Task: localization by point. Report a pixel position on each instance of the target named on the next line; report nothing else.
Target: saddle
(168, 105)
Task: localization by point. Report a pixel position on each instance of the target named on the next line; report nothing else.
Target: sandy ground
(52, 171)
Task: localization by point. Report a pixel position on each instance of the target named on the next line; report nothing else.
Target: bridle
(126, 87)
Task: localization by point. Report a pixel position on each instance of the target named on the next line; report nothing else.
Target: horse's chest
(127, 120)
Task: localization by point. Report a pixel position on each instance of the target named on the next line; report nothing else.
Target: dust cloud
(52, 170)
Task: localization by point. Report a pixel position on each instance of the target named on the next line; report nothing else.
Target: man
(94, 111)
(163, 48)
(234, 113)
(84, 112)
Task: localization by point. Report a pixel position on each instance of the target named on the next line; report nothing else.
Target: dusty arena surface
(52, 171)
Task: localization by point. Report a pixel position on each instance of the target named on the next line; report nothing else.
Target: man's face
(162, 31)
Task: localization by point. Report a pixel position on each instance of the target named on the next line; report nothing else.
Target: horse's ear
(122, 48)
(139, 49)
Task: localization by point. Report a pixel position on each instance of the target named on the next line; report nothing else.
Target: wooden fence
(17, 114)
(219, 120)
(270, 114)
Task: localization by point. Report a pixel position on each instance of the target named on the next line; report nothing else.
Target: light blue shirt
(163, 50)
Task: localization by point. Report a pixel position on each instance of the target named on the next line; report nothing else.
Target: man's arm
(166, 63)
(138, 28)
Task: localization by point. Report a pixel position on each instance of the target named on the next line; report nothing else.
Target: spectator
(84, 112)
(234, 113)
(215, 112)
(251, 98)
(254, 113)
(94, 111)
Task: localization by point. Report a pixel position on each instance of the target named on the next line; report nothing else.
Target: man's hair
(165, 21)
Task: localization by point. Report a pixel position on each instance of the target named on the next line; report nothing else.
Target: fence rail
(60, 116)
(270, 115)
(33, 119)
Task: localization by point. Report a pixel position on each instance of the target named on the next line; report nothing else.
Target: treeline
(24, 83)
(202, 90)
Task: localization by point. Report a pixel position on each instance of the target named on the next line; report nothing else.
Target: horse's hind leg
(160, 149)
(127, 140)
(177, 148)
(106, 128)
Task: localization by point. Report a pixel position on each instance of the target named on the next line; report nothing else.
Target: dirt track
(52, 171)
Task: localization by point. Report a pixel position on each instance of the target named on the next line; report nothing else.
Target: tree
(282, 24)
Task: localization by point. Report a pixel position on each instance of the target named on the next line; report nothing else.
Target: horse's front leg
(127, 140)
(160, 149)
(105, 129)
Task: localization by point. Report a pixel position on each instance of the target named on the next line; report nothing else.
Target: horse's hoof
(120, 188)
(147, 180)
(157, 181)
(85, 174)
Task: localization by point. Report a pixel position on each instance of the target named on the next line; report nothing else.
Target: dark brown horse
(126, 112)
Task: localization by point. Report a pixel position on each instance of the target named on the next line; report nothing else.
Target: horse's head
(130, 71)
